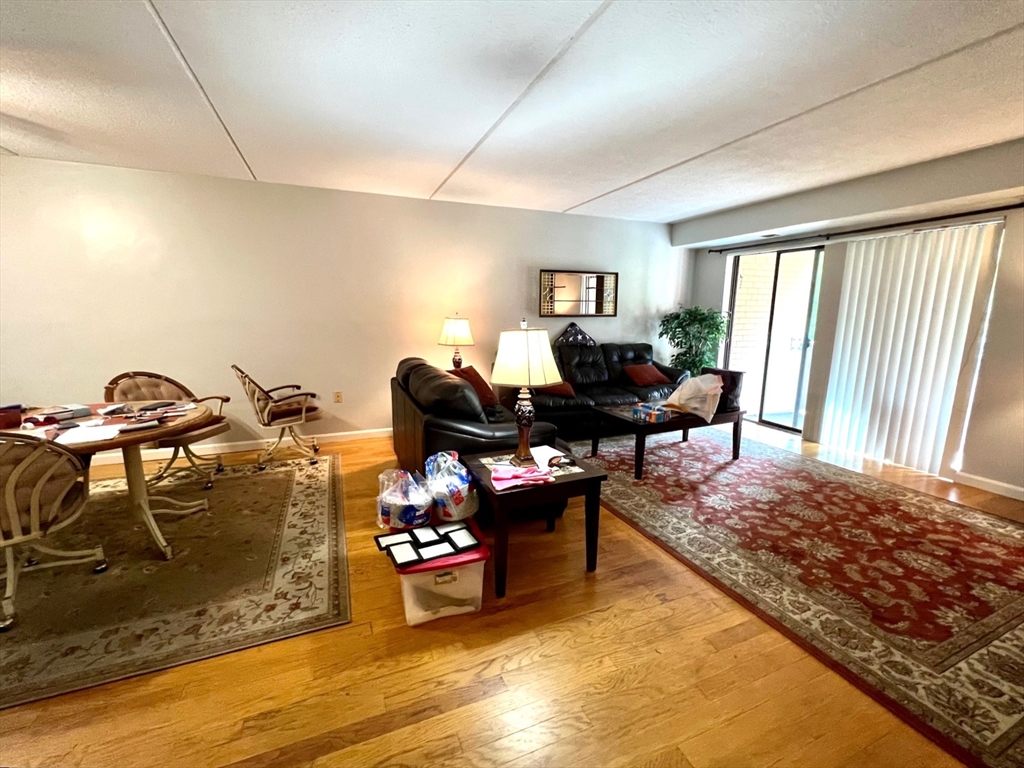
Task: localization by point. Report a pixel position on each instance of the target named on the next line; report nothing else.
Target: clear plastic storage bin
(447, 586)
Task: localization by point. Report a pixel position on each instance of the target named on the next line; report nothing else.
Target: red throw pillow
(482, 388)
(645, 375)
(564, 389)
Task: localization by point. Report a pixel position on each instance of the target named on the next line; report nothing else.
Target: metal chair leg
(164, 470)
(197, 461)
(268, 452)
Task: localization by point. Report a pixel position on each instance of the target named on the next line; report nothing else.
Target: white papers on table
(78, 435)
(542, 454)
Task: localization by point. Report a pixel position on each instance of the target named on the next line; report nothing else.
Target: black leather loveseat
(432, 410)
(597, 377)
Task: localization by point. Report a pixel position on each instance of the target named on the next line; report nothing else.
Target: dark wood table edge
(642, 429)
(564, 488)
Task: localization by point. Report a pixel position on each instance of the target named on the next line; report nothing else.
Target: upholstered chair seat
(282, 408)
(43, 488)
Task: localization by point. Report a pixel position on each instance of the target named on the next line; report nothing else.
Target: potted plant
(697, 333)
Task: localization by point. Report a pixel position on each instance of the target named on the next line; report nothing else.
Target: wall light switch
(337, 397)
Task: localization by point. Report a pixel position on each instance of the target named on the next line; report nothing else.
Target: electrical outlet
(337, 397)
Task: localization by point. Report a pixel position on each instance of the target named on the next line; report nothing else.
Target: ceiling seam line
(519, 99)
(195, 81)
(815, 108)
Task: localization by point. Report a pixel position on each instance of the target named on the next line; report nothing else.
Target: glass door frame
(819, 252)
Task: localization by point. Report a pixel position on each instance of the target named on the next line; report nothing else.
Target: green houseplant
(697, 333)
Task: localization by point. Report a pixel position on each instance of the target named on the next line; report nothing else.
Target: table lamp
(455, 333)
(525, 360)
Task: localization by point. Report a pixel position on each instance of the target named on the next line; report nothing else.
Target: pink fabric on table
(508, 477)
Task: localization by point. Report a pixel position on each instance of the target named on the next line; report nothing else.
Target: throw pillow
(564, 389)
(476, 381)
(645, 375)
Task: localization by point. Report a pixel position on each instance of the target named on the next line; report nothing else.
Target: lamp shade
(455, 333)
(525, 360)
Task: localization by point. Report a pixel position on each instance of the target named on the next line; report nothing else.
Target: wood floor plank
(642, 663)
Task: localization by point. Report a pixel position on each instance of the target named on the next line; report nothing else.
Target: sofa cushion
(617, 356)
(645, 375)
(476, 381)
(406, 367)
(563, 389)
(608, 395)
(583, 365)
(732, 388)
(543, 400)
(440, 393)
(656, 392)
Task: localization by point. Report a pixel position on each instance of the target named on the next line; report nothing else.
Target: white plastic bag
(451, 486)
(698, 395)
(404, 500)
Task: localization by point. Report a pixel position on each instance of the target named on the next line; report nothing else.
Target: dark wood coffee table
(622, 416)
(586, 483)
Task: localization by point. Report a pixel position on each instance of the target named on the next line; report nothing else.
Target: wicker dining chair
(281, 412)
(43, 488)
(135, 386)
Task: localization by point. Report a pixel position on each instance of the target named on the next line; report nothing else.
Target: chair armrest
(295, 396)
(220, 405)
(676, 375)
(284, 386)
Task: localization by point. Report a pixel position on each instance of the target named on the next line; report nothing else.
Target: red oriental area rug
(918, 601)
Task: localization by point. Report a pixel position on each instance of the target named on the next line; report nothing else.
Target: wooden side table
(586, 483)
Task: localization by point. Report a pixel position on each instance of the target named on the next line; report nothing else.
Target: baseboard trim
(993, 486)
(208, 449)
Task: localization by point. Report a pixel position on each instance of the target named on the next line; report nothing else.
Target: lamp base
(525, 416)
(457, 359)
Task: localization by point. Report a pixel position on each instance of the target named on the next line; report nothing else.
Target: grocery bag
(698, 395)
(404, 500)
(451, 485)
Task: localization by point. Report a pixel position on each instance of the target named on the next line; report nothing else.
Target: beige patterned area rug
(267, 561)
(917, 601)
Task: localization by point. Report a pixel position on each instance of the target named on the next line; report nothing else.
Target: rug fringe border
(945, 742)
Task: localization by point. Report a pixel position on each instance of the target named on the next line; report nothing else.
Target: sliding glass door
(773, 308)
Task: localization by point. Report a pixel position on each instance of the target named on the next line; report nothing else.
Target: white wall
(994, 448)
(104, 270)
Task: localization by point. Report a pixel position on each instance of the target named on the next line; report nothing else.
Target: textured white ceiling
(97, 82)
(651, 110)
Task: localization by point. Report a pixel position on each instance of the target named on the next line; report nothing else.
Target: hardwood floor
(639, 664)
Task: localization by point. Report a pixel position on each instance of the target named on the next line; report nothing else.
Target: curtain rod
(771, 245)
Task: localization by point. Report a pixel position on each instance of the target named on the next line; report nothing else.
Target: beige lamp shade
(455, 333)
(525, 359)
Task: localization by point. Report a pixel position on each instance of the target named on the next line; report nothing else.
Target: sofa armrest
(501, 431)
(469, 437)
(676, 375)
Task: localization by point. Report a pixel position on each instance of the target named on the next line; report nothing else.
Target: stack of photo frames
(420, 545)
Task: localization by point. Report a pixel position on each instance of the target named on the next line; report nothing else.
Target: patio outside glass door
(772, 315)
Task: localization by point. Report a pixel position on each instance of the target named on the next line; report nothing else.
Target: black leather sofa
(432, 410)
(597, 377)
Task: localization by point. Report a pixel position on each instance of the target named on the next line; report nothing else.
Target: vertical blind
(911, 306)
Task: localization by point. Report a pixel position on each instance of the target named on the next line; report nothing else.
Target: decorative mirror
(566, 293)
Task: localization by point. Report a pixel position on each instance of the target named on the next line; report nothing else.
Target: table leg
(500, 549)
(638, 456)
(593, 519)
(139, 499)
(737, 433)
(686, 435)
